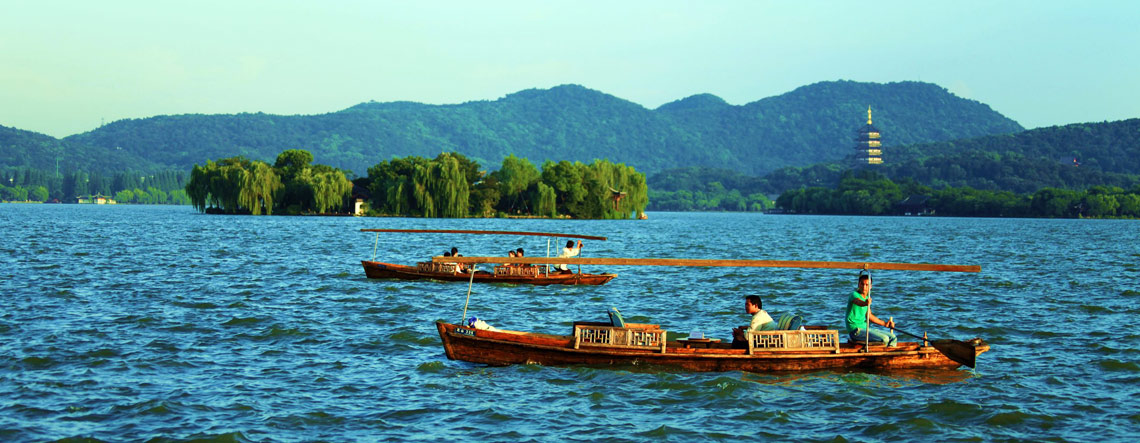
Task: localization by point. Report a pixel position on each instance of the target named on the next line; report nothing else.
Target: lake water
(131, 323)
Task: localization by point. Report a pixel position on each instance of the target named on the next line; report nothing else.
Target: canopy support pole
(375, 245)
(469, 285)
(867, 336)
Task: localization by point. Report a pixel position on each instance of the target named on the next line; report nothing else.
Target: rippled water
(132, 323)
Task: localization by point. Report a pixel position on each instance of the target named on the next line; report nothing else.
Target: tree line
(37, 185)
(447, 186)
(872, 193)
(451, 185)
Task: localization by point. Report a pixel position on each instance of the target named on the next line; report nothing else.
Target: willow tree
(217, 184)
(602, 181)
(448, 185)
(258, 186)
(544, 201)
(330, 188)
(198, 187)
(392, 187)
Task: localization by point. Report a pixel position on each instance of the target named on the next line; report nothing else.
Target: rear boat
(502, 274)
(620, 343)
(446, 269)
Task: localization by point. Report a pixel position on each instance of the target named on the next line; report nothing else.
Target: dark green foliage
(871, 193)
(68, 187)
(21, 149)
(450, 186)
(237, 185)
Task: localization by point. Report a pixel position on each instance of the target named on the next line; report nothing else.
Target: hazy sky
(67, 66)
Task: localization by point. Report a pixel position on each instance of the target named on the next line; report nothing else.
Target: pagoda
(868, 144)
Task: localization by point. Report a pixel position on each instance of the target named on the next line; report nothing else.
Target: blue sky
(68, 66)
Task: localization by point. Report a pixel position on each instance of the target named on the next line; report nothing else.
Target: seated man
(761, 321)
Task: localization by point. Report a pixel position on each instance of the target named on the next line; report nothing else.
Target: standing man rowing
(859, 312)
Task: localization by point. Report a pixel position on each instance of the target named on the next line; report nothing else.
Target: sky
(66, 67)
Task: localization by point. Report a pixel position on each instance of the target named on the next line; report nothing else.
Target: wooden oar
(679, 262)
(956, 350)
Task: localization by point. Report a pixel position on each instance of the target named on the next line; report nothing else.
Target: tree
(515, 176)
(38, 194)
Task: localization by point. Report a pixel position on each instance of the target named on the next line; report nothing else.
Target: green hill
(31, 150)
(809, 125)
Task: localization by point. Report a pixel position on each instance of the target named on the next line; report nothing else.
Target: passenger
(462, 268)
(510, 254)
(760, 321)
(567, 252)
(519, 254)
(859, 311)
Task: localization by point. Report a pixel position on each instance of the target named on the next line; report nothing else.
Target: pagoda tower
(868, 144)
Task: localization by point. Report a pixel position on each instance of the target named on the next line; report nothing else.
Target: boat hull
(500, 348)
(375, 269)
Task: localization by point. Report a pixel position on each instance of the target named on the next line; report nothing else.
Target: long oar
(720, 263)
(956, 350)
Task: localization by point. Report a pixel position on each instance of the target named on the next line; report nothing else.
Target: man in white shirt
(569, 251)
(760, 318)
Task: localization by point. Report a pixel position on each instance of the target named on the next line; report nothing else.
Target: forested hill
(809, 125)
(26, 149)
(817, 123)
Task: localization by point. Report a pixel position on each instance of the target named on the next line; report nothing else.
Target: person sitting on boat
(859, 312)
(511, 254)
(462, 268)
(519, 253)
(761, 321)
(450, 263)
(569, 251)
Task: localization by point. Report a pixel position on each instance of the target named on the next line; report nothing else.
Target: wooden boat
(445, 269)
(602, 344)
(532, 275)
(619, 343)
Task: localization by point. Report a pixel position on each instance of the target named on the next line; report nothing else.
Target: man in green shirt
(859, 311)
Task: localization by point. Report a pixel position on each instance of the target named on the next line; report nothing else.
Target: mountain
(26, 149)
(811, 124)
(817, 122)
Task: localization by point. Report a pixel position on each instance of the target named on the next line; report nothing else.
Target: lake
(140, 322)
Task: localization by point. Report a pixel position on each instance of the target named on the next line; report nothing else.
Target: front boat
(644, 344)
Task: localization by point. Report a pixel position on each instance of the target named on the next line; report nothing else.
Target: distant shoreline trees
(35, 185)
(871, 193)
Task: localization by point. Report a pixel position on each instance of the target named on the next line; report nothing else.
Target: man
(567, 252)
(859, 311)
(754, 307)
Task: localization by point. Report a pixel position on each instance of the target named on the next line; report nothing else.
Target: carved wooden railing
(814, 340)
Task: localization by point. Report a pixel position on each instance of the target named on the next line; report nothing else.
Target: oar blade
(956, 350)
